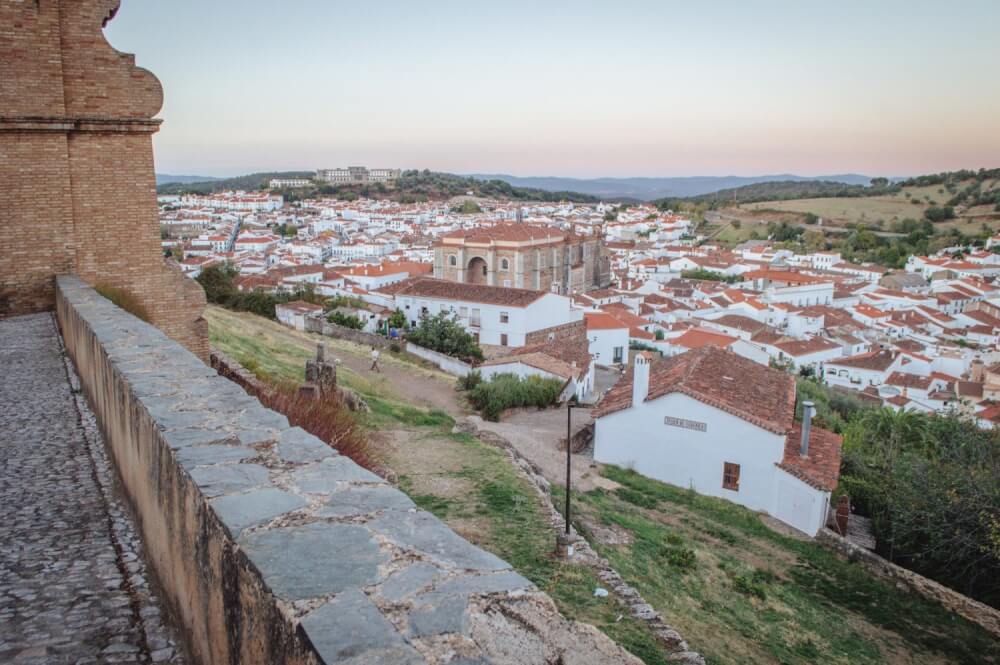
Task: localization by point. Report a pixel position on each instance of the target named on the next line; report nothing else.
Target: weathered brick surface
(77, 189)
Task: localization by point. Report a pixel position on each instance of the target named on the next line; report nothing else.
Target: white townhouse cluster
(858, 327)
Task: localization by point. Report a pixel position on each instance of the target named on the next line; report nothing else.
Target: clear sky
(573, 88)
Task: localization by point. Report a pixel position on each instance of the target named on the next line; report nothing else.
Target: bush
(124, 299)
(345, 320)
(679, 557)
(219, 288)
(395, 348)
(327, 419)
(470, 380)
(508, 391)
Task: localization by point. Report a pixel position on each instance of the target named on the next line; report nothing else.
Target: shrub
(124, 299)
(345, 320)
(395, 348)
(470, 380)
(679, 557)
(327, 419)
(508, 391)
(751, 584)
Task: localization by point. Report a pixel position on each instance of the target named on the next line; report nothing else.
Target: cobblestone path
(73, 584)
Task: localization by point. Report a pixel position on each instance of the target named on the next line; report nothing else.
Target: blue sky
(652, 87)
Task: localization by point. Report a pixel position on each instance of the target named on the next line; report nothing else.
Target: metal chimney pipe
(808, 411)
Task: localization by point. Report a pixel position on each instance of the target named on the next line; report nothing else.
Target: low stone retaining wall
(272, 548)
(448, 364)
(328, 329)
(973, 610)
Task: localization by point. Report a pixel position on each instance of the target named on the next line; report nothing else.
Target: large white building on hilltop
(356, 175)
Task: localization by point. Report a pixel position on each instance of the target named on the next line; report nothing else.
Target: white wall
(602, 344)
(446, 363)
(638, 438)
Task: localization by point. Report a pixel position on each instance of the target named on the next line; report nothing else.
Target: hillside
(167, 178)
(413, 186)
(883, 224)
(648, 189)
(245, 182)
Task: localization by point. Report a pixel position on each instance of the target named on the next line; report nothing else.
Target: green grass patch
(747, 594)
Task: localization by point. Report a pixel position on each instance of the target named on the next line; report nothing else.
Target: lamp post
(569, 418)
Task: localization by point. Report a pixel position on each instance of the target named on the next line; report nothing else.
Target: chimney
(640, 377)
(977, 371)
(808, 411)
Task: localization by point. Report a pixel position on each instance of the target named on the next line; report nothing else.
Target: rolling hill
(648, 189)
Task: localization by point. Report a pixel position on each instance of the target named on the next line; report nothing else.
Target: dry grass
(124, 299)
(326, 418)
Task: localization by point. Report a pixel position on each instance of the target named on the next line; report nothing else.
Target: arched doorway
(476, 272)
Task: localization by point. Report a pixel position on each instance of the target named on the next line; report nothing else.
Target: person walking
(375, 367)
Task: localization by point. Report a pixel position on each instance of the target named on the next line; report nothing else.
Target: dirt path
(283, 351)
(536, 435)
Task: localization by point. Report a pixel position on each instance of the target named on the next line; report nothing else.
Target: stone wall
(327, 329)
(976, 612)
(575, 331)
(272, 548)
(76, 163)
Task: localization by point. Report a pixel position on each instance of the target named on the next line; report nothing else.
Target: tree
(879, 183)
(443, 333)
(397, 319)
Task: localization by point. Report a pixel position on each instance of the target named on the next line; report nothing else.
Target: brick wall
(77, 188)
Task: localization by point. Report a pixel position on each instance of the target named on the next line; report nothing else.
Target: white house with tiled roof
(493, 315)
(724, 426)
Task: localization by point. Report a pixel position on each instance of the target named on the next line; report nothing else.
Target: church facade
(524, 256)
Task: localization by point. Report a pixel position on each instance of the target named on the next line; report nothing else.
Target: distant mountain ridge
(167, 178)
(648, 189)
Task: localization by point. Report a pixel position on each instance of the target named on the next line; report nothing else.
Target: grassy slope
(814, 607)
(890, 207)
(751, 595)
(471, 486)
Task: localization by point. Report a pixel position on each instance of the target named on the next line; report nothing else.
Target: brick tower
(77, 189)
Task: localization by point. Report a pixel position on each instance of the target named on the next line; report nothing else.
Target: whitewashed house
(293, 314)
(494, 315)
(724, 426)
(607, 337)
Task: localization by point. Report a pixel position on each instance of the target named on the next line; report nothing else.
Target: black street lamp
(569, 417)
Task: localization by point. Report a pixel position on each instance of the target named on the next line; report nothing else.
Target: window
(463, 312)
(731, 476)
(504, 317)
(452, 260)
(504, 264)
(503, 339)
(619, 354)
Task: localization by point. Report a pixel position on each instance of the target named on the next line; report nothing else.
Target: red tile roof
(821, 467)
(732, 383)
(429, 287)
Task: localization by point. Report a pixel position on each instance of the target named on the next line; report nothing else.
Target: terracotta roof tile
(429, 287)
(732, 383)
(821, 467)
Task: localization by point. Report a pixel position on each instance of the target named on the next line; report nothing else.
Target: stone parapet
(271, 547)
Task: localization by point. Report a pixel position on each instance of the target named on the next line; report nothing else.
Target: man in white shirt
(375, 367)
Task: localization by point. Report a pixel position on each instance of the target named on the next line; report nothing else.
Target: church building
(524, 256)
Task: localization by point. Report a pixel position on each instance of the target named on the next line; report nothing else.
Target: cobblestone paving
(73, 584)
